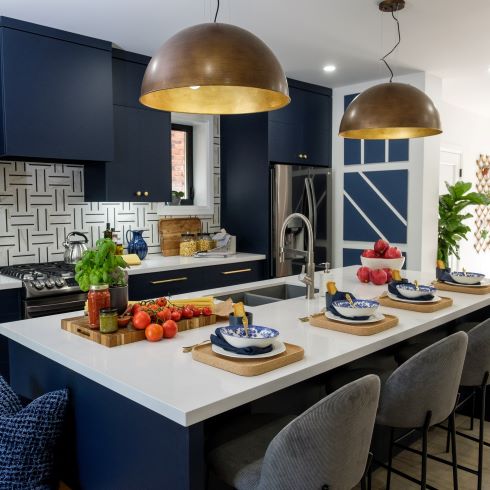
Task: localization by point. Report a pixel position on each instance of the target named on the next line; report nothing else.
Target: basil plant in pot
(102, 266)
(451, 216)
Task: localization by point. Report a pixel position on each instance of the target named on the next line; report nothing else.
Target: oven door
(34, 308)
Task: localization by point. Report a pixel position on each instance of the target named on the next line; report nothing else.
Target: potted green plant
(451, 216)
(177, 197)
(102, 266)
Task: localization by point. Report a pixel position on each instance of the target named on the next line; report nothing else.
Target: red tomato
(136, 307)
(154, 332)
(170, 328)
(187, 312)
(370, 254)
(378, 276)
(207, 311)
(141, 320)
(381, 246)
(196, 311)
(164, 314)
(176, 315)
(363, 274)
(162, 301)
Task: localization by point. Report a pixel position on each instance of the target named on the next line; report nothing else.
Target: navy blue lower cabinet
(110, 442)
(10, 312)
(169, 283)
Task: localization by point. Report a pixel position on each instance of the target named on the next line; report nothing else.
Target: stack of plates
(373, 318)
(278, 347)
(483, 283)
(435, 299)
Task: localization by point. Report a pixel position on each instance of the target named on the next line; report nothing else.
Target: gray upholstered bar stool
(326, 447)
(420, 394)
(475, 376)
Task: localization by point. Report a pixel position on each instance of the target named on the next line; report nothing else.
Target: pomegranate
(392, 253)
(363, 274)
(370, 254)
(388, 274)
(381, 246)
(378, 276)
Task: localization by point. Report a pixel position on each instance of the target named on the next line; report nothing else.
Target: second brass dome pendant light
(214, 68)
(391, 110)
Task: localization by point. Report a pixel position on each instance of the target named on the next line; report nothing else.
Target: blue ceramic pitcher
(137, 244)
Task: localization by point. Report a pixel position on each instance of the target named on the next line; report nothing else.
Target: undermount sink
(266, 295)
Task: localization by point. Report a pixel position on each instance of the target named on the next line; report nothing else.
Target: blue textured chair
(326, 447)
(28, 438)
(422, 393)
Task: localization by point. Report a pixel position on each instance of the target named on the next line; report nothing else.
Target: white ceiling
(448, 38)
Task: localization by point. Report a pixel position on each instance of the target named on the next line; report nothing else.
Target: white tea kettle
(74, 248)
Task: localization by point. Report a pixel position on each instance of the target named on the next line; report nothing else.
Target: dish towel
(338, 296)
(392, 289)
(444, 275)
(218, 340)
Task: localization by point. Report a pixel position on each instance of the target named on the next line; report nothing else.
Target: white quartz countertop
(9, 283)
(162, 378)
(159, 263)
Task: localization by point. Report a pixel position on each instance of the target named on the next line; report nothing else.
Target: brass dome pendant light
(214, 68)
(390, 110)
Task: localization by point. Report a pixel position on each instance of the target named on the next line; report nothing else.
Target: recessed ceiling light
(329, 68)
(195, 87)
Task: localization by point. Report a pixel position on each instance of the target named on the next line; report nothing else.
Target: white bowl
(380, 263)
(257, 336)
(408, 290)
(467, 277)
(360, 307)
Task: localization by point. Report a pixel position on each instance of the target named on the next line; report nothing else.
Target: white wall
(423, 170)
(468, 133)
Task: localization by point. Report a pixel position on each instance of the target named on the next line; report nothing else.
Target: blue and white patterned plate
(435, 299)
(257, 336)
(277, 348)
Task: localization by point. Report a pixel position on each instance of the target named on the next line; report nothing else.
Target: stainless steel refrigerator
(306, 190)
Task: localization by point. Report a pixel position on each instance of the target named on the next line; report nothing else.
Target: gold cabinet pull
(146, 193)
(175, 279)
(238, 271)
(138, 193)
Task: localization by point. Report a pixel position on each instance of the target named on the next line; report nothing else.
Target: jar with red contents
(98, 297)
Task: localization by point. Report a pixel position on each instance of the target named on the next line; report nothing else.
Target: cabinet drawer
(168, 283)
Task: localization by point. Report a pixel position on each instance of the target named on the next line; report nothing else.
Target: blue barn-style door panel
(375, 204)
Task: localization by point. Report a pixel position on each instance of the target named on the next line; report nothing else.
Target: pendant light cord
(383, 59)
(216, 14)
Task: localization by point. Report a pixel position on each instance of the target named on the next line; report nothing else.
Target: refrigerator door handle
(314, 205)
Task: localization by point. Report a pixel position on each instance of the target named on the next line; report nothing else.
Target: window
(182, 163)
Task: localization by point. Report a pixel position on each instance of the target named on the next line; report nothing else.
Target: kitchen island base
(111, 442)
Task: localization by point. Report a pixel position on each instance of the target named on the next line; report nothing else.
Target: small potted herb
(102, 266)
(177, 197)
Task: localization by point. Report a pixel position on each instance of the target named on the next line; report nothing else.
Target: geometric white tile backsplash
(40, 203)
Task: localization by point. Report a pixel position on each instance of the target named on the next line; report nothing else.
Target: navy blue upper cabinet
(56, 102)
(301, 133)
(141, 169)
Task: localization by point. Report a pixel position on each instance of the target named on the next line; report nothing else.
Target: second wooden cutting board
(170, 230)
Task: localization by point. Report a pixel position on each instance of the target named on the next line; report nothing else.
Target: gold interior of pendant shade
(390, 111)
(214, 69)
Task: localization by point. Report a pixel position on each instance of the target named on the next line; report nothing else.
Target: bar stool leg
(481, 436)
(473, 406)
(425, 435)
(390, 458)
(452, 425)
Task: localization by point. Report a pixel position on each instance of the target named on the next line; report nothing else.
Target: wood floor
(440, 475)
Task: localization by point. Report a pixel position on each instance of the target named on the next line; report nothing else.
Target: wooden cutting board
(79, 326)
(456, 288)
(170, 230)
(248, 367)
(421, 308)
(321, 321)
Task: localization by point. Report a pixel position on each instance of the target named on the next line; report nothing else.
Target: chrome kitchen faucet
(309, 277)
